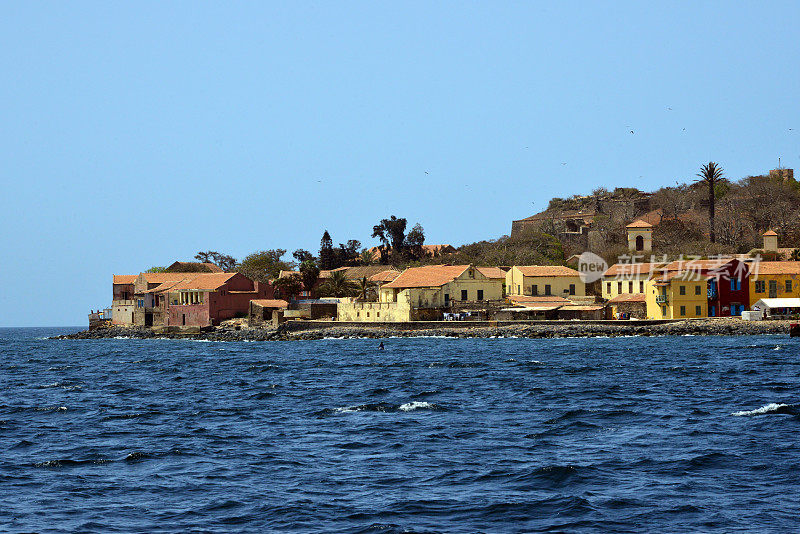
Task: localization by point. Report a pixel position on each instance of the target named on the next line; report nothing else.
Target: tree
(347, 254)
(380, 232)
(392, 233)
(156, 269)
(710, 176)
(302, 255)
(337, 286)
(290, 286)
(367, 257)
(327, 256)
(414, 241)
(363, 286)
(309, 272)
(224, 261)
(264, 264)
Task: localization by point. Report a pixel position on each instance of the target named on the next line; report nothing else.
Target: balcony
(662, 299)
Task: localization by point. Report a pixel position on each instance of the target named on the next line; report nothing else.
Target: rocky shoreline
(699, 327)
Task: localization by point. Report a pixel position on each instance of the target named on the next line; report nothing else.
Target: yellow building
(626, 278)
(677, 295)
(421, 293)
(545, 280)
(774, 279)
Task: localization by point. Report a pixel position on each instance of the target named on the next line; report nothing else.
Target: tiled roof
(164, 287)
(359, 272)
(384, 276)
(631, 269)
(492, 272)
(125, 278)
(628, 297)
(204, 282)
(695, 265)
(287, 274)
(271, 303)
(775, 267)
(428, 276)
(639, 224)
(770, 233)
(160, 278)
(546, 270)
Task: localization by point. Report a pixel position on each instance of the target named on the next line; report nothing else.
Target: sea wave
(772, 407)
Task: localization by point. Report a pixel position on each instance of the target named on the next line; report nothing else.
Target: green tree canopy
(264, 264)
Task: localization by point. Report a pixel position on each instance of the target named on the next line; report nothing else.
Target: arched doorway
(639, 242)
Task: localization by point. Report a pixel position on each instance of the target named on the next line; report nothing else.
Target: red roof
(125, 278)
(428, 276)
(628, 297)
(204, 282)
(639, 224)
(769, 233)
(631, 269)
(546, 270)
(492, 272)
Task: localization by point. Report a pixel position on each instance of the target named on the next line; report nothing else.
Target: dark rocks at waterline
(702, 327)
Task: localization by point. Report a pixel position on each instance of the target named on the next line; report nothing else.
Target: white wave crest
(416, 405)
(771, 407)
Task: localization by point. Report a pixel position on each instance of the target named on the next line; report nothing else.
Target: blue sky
(137, 133)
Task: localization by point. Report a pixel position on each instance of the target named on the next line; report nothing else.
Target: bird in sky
(631, 131)
(669, 109)
(426, 172)
(564, 163)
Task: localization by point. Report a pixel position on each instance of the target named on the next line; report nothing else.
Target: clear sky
(137, 133)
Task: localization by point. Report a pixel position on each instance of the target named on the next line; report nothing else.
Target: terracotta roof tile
(204, 282)
(631, 269)
(639, 224)
(428, 276)
(384, 276)
(775, 267)
(525, 299)
(492, 272)
(125, 278)
(770, 233)
(546, 270)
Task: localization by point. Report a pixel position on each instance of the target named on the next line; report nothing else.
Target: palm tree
(711, 175)
(363, 286)
(367, 256)
(337, 285)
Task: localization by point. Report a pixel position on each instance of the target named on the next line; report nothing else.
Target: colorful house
(774, 279)
(676, 295)
(533, 280)
(728, 281)
(626, 279)
(151, 306)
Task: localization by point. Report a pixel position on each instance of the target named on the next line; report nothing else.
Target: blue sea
(664, 434)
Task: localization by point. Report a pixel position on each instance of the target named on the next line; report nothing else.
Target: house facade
(437, 286)
(533, 280)
(727, 283)
(774, 279)
(210, 298)
(122, 301)
(626, 279)
(676, 295)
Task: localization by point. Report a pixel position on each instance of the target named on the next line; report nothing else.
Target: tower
(640, 236)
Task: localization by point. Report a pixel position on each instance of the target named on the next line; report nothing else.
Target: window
(788, 286)
(463, 294)
(697, 290)
(630, 288)
(619, 287)
(608, 287)
(377, 314)
(480, 294)
(518, 290)
(733, 284)
(698, 310)
(367, 314)
(641, 287)
(683, 291)
(534, 290)
(358, 314)
(663, 311)
(547, 289)
(572, 289)
(683, 311)
(760, 286)
(446, 299)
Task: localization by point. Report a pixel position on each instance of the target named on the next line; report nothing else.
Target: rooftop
(546, 270)
(428, 276)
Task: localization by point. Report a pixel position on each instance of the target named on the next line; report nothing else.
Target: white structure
(770, 241)
(780, 306)
(640, 236)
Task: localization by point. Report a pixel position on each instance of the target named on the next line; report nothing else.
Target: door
(773, 289)
(148, 319)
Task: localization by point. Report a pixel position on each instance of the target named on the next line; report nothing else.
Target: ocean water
(667, 434)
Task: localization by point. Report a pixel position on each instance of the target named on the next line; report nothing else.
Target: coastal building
(424, 293)
(263, 311)
(727, 283)
(151, 306)
(534, 280)
(629, 306)
(122, 302)
(210, 298)
(774, 279)
(626, 279)
(676, 295)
